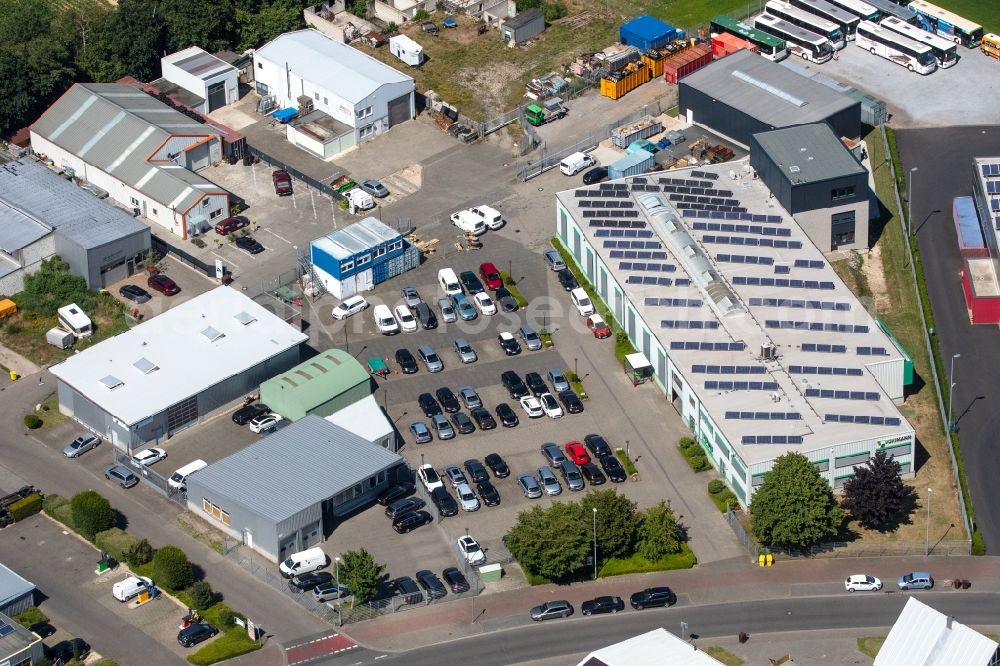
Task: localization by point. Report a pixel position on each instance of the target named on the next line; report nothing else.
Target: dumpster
(620, 83)
(683, 63)
(641, 144)
(647, 126)
(631, 165)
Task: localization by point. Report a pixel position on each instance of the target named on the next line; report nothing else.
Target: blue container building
(354, 259)
(645, 32)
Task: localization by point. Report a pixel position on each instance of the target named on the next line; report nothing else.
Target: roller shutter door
(216, 96)
(399, 110)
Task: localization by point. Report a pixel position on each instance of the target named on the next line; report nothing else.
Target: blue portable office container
(631, 165)
(645, 32)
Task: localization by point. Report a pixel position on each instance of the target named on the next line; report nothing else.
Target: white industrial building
(344, 96)
(141, 151)
(177, 369)
(925, 636)
(653, 648)
(751, 335)
(198, 79)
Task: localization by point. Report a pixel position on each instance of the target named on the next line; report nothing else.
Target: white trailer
(406, 50)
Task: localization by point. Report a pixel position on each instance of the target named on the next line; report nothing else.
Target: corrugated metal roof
(12, 585)
(524, 18)
(653, 648)
(773, 100)
(293, 469)
(921, 637)
(330, 64)
(809, 153)
(35, 199)
(198, 62)
(316, 381)
(362, 235)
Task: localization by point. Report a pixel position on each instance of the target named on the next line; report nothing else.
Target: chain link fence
(526, 169)
(154, 479)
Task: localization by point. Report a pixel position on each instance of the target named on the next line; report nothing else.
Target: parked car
(407, 505)
(134, 293)
(550, 610)
(576, 453)
(349, 306)
(598, 445)
(862, 582)
(470, 283)
(442, 426)
(447, 399)
(425, 316)
(454, 475)
(471, 549)
(602, 605)
(548, 481)
(130, 587)
(528, 485)
(429, 477)
(508, 419)
(554, 261)
(149, 456)
(550, 406)
(408, 522)
(406, 362)
(484, 420)
(535, 384)
(553, 454)
(432, 585)
(444, 502)
(477, 471)
(428, 405)
(42, 629)
(497, 465)
(490, 275)
(595, 175)
(531, 406)
(410, 297)
(466, 497)
(161, 283)
(598, 326)
(508, 344)
(394, 493)
(571, 402)
(488, 493)
(463, 424)
(489, 215)
(469, 397)
(74, 648)
(530, 338)
(244, 415)
(567, 280)
(384, 320)
(592, 473)
(653, 597)
(447, 310)
(558, 380)
(466, 354)
(514, 384)
(264, 421)
(465, 309)
(374, 188)
(485, 304)
(305, 582)
(430, 358)
(420, 432)
(81, 445)
(917, 580)
(506, 300)
(330, 591)
(282, 182)
(195, 633)
(571, 475)
(121, 475)
(455, 580)
(581, 301)
(406, 588)
(613, 468)
(405, 318)
(249, 244)
(231, 224)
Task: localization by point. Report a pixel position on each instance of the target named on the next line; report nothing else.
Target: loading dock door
(399, 110)
(216, 96)
(112, 274)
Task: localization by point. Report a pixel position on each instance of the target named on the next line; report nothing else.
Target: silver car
(466, 497)
(550, 484)
(553, 260)
(447, 310)
(430, 358)
(330, 591)
(410, 297)
(558, 380)
(455, 475)
(469, 397)
(571, 475)
(553, 454)
(442, 426)
(531, 339)
(528, 485)
(551, 609)
(81, 444)
(465, 351)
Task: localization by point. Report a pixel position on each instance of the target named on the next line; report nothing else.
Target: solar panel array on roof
(741, 229)
(692, 324)
(637, 254)
(772, 439)
(610, 213)
(652, 268)
(714, 385)
(809, 263)
(705, 174)
(729, 369)
(649, 280)
(623, 233)
(776, 243)
(781, 282)
(743, 259)
(600, 203)
(824, 348)
(872, 351)
(635, 245)
(618, 224)
(824, 370)
(862, 420)
(6, 629)
(674, 302)
(826, 327)
(799, 304)
(693, 345)
(764, 416)
(645, 188)
(843, 395)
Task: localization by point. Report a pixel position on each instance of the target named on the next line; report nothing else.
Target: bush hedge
(139, 554)
(230, 644)
(25, 507)
(171, 568)
(91, 514)
(59, 508)
(52, 501)
(115, 542)
(202, 597)
(694, 454)
(32, 422)
(639, 564)
(722, 496)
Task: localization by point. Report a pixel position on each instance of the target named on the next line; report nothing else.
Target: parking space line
(312, 200)
(235, 265)
(277, 236)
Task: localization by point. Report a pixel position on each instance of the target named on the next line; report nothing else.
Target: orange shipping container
(689, 60)
(725, 43)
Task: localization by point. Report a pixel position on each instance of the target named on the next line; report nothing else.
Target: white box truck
(406, 50)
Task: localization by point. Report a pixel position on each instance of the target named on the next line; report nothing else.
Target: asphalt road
(943, 158)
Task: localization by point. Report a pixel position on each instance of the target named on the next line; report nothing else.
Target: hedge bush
(140, 553)
(202, 597)
(91, 514)
(715, 486)
(50, 503)
(687, 443)
(58, 507)
(32, 422)
(171, 568)
(25, 507)
(116, 543)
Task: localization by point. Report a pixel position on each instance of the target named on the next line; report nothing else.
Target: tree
(552, 542)
(204, 23)
(91, 514)
(361, 573)
(257, 26)
(876, 496)
(52, 287)
(131, 42)
(617, 521)
(202, 596)
(171, 568)
(139, 554)
(659, 534)
(794, 507)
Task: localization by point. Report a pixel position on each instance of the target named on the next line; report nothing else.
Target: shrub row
(722, 496)
(25, 507)
(694, 454)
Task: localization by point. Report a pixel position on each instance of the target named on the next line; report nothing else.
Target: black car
(508, 343)
(399, 507)
(447, 399)
(653, 597)
(507, 416)
(425, 316)
(249, 244)
(592, 473)
(445, 503)
(395, 493)
(514, 384)
(196, 633)
(595, 175)
(536, 384)
(598, 446)
(244, 415)
(497, 465)
(602, 605)
(477, 472)
(613, 468)
(134, 293)
(406, 588)
(567, 279)
(42, 629)
(74, 648)
(483, 418)
(455, 580)
(506, 300)
(411, 521)
(471, 283)
(307, 581)
(428, 405)
(571, 402)
(431, 583)
(407, 363)
(463, 424)
(488, 493)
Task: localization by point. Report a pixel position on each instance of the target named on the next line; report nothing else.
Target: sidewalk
(11, 360)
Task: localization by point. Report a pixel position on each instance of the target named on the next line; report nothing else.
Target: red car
(577, 453)
(490, 275)
(162, 284)
(282, 183)
(599, 327)
(231, 224)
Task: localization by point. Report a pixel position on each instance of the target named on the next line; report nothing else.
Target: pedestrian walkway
(320, 646)
(11, 360)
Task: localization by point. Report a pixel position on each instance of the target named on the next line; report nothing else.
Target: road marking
(225, 259)
(312, 200)
(277, 236)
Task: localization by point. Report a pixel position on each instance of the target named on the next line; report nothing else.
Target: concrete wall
(200, 86)
(818, 225)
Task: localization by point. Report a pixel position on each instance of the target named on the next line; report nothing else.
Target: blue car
(421, 435)
(465, 309)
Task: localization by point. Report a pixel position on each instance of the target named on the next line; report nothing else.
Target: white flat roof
(922, 635)
(178, 354)
(715, 286)
(653, 648)
(364, 418)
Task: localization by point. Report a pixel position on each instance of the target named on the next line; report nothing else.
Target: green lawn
(639, 564)
(984, 12)
(724, 655)
(870, 645)
(688, 14)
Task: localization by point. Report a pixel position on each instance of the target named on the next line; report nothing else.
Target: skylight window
(245, 318)
(212, 334)
(145, 366)
(111, 382)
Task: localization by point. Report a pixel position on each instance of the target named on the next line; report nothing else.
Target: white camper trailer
(406, 50)
(58, 337)
(75, 320)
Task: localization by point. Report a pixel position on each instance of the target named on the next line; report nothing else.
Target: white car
(531, 406)
(862, 582)
(405, 319)
(264, 421)
(550, 406)
(470, 548)
(429, 477)
(351, 305)
(466, 497)
(147, 457)
(582, 302)
(485, 304)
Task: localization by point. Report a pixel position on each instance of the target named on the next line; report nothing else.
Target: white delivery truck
(406, 50)
(361, 199)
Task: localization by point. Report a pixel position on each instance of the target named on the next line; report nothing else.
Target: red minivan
(490, 275)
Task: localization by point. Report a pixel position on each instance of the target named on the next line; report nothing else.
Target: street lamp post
(576, 371)
(336, 568)
(595, 543)
(909, 200)
(927, 536)
(951, 390)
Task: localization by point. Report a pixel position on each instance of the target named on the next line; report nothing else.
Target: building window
(382, 476)
(367, 131)
(364, 259)
(358, 490)
(842, 228)
(215, 511)
(214, 214)
(155, 212)
(562, 224)
(842, 193)
(325, 100)
(372, 482)
(260, 65)
(379, 252)
(346, 266)
(316, 96)
(396, 245)
(135, 202)
(205, 202)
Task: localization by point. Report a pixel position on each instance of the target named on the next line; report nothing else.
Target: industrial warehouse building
(141, 151)
(744, 94)
(354, 259)
(816, 179)
(198, 79)
(42, 214)
(977, 219)
(926, 636)
(16, 593)
(751, 335)
(18, 646)
(347, 96)
(526, 25)
(288, 491)
(177, 369)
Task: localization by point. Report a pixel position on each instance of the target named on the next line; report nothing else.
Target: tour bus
(786, 12)
(944, 51)
(990, 45)
(860, 8)
(901, 50)
(847, 21)
(805, 44)
(767, 45)
(948, 25)
(889, 8)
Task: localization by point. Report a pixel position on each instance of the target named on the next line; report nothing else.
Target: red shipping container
(725, 43)
(689, 60)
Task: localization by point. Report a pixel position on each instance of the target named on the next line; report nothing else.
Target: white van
(576, 163)
(361, 199)
(448, 282)
(75, 320)
(178, 478)
(303, 562)
(384, 320)
(468, 221)
(130, 587)
(491, 216)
